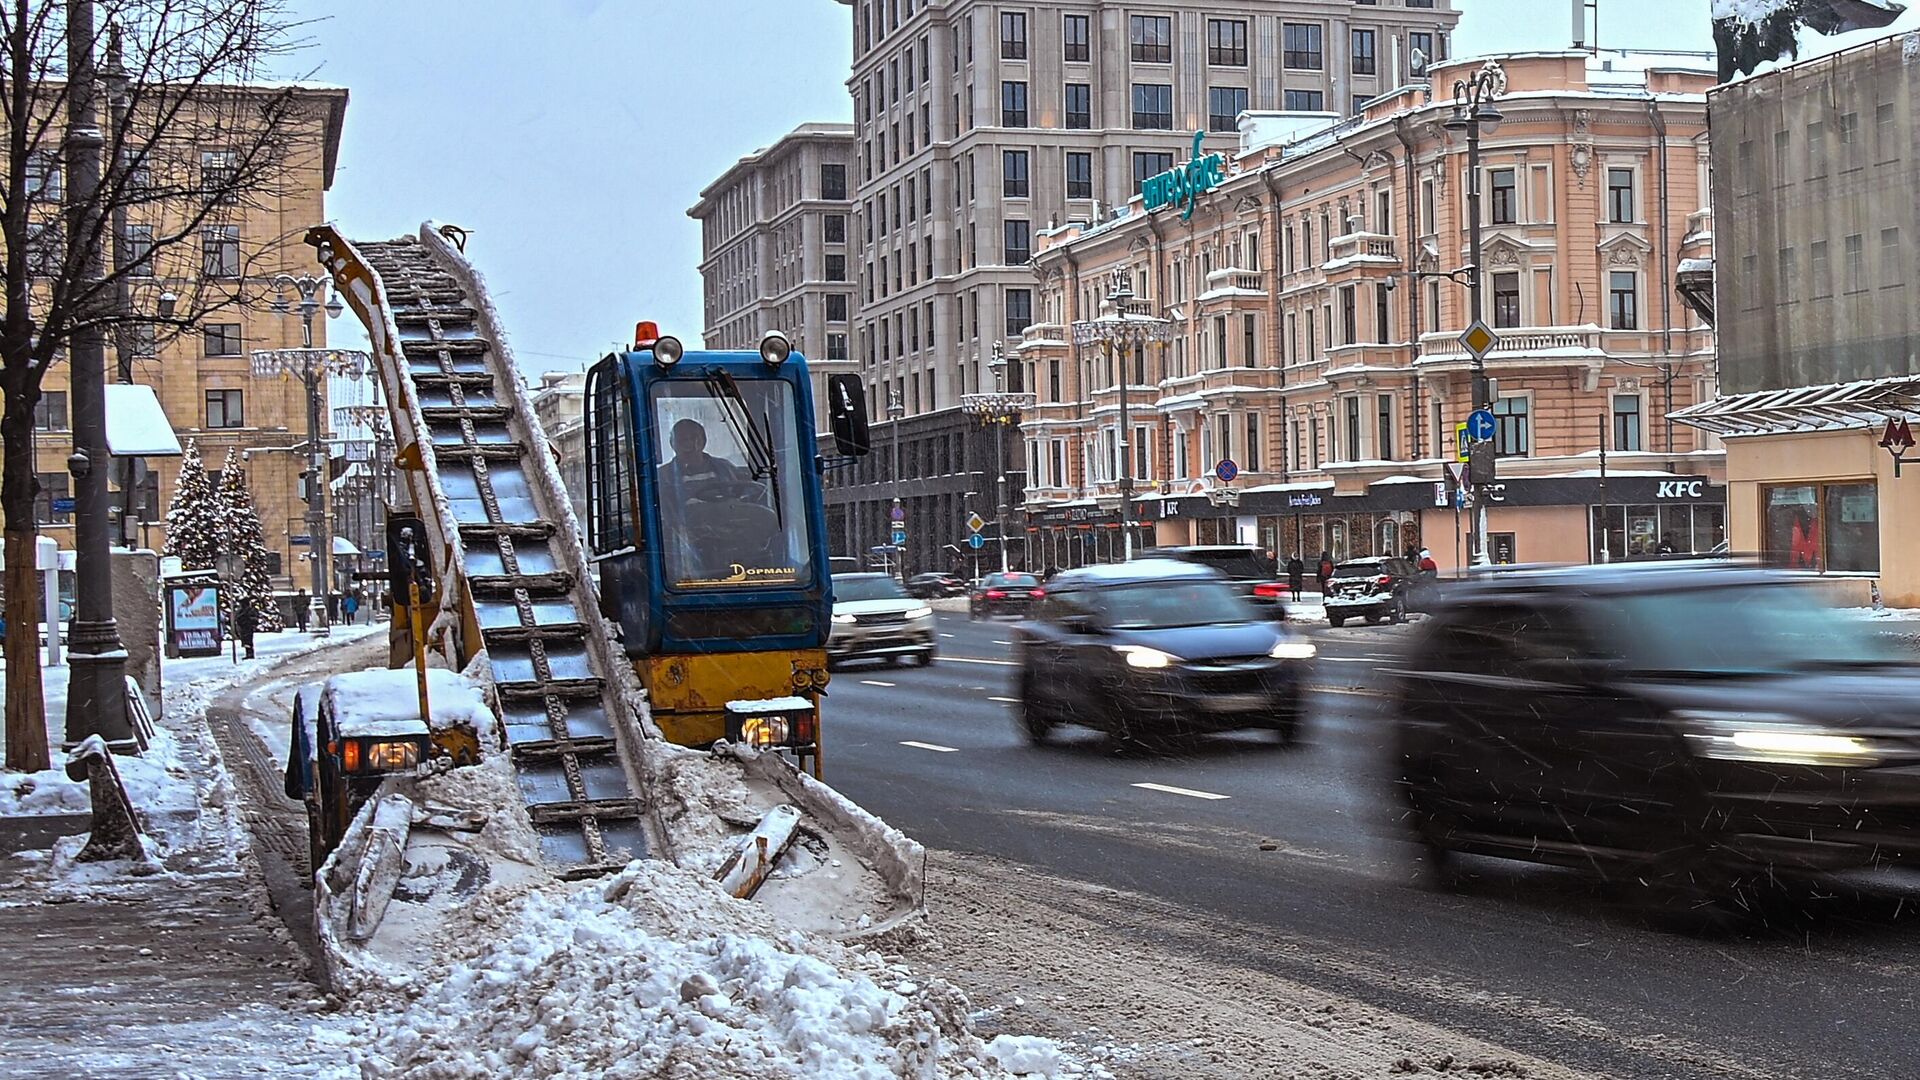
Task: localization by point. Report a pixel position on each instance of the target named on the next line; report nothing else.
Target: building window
(53, 485)
(1382, 314)
(1847, 131)
(1383, 427)
(1620, 196)
(1820, 270)
(1079, 107)
(836, 346)
(1019, 311)
(1506, 300)
(1013, 35)
(1816, 149)
(1074, 32)
(1349, 315)
(225, 410)
(1419, 53)
(1153, 106)
(833, 182)
(1147, 164)
(1782, 158)
(1823, 527)
(1224, 106)
(222, 339)
(833, 228)
(1363, 52)
(1249, 340)
(1353, 427)
(1505, 198)
(1251, 452)
(1626, 423)
(1079, 175)
(1622, 311)
(1227, 42)
(1890, 270)
(1885, 135)
(44, 177)
(1152, 37)
(1510, 435)
(836, 268)
(1302, 47)
(1019, 242)
(1013, 174)
(1013, 104)
(836, 307)
(50, 412)
(140, 251)
(1856, 263)
(46, 248)
(1787, 270)
(217, 176)
(1303, 101)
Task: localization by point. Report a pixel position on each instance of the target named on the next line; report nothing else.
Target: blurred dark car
(1374, 589)
(928, 586)
(1687, 726)
(1155, 648)
(1003, 594)
(1246, 568)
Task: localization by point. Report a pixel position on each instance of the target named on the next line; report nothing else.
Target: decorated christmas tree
(247, 538)
(196, 526)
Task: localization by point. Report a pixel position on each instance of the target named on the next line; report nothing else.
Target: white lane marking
(876, 682)
(1003, 642)
(1188, 792)
(1006, 700)
(1357, 659)
(946, 635)
(976, 660)
(930, 746)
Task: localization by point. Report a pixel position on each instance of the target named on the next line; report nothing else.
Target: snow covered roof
(387, 702)
(136, 424)
(1829, 407)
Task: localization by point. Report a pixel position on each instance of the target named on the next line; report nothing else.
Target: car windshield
(1018, 581)
(732, 509)
(1234, 564)
(877, 587)
(1163, 605)
(1360, 569)
(1740, 630)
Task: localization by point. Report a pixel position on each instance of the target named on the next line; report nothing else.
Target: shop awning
(136, 425)
(1829, 407)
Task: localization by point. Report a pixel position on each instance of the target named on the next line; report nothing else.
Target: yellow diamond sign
(976, 522)
(1479, 339)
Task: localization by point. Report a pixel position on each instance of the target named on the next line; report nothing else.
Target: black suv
(1154, 648)
(1373, 589)
(1683, 728)
(1246, 568)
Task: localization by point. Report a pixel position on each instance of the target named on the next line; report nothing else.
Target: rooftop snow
(384, 702)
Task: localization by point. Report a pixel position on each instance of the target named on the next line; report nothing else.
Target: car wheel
(1439, 864)
(1035, 723)
(1286, 732)
(973, 613)
(1400, 611)
(894, 660)
(316, 852)
(926, 658)
(1337, 621)
(1374, 618)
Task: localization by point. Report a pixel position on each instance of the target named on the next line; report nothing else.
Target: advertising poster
(193, 618)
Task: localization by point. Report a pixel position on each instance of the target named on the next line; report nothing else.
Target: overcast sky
(571, 136)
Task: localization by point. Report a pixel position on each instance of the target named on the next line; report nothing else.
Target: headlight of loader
(363, 756)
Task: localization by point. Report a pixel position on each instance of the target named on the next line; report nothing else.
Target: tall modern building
(774, 253)
(979, 125)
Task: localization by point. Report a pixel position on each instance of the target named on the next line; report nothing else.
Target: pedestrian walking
(1296, 575)
(350, 606)
(245, 622)
(333, 607)
(1428, 568)
(1326, 570)
(301, 601)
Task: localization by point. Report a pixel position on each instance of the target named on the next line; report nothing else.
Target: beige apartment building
(1315, 334)
(1815, 167)
(560, 404)
(204, 378)
(775, 252)
(982, 125)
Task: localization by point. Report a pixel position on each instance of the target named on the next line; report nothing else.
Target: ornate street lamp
(1474, 112)
(1128, 331)
(996, 412)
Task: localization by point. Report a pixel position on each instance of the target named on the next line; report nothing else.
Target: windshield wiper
(762, 463)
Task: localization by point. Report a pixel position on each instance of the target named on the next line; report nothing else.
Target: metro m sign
(1897, 438)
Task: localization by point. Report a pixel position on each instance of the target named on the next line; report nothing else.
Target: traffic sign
(1479, 339)
(1480, 425)
(1460, 441)
(1226, 470)
(299, 538)
(375, 553)
(899, 536)
(898, 513)
(976, 522)
(63, 506)
(976, 542)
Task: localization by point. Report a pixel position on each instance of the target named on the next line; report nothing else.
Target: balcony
(1042, 335)
(1360, 249)
(1234, 282)
(1518, 344)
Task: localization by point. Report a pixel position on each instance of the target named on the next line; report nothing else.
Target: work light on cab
(775, 348)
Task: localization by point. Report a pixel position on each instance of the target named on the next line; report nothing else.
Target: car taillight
(1039, 594)
(996, 594)
(1383, 580)
(1269, 588)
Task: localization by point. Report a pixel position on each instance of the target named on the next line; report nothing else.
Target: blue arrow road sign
(975, 541)
(1480, 425)
(1226, 470)
(899, 536)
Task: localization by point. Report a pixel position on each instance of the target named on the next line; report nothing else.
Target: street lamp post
(313, 367)
(896, 411)
(1474, 112)
(996, 412)
(1129, 332)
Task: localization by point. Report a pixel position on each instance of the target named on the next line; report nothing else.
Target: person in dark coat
(245, 622)
(1296, 575)
(301, 601)
(1326, 570)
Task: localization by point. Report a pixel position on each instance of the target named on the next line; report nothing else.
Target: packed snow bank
(383, 701)
(659, 970)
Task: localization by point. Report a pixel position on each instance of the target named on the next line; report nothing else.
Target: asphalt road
(1291, 862)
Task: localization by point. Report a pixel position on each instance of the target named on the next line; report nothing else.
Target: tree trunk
(26, 703)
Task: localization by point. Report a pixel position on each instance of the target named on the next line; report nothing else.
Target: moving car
(1374, 589)
(1154, 648)
(1003, 594)
(875, 619)
(1692, 727)
(1245, 567)
(927, 586)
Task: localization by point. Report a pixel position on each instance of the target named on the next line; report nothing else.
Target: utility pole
(896, 411)
(1606, 554)
(113, 76)
(1473, 109)
(97, 695)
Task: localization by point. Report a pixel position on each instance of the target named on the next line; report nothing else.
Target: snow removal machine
(644, 684)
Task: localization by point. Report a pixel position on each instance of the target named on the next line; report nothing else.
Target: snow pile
(157, 781)
(1749, 11)
(659, 972)
(387, 701)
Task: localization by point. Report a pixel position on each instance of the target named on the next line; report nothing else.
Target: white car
(874, 618)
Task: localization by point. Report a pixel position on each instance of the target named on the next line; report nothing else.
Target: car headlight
(1140, 656)
(844, 620)
(920, 613)
(1771, 738)
(1293, 649)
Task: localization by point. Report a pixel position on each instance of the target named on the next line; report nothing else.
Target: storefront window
(1823, 527)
